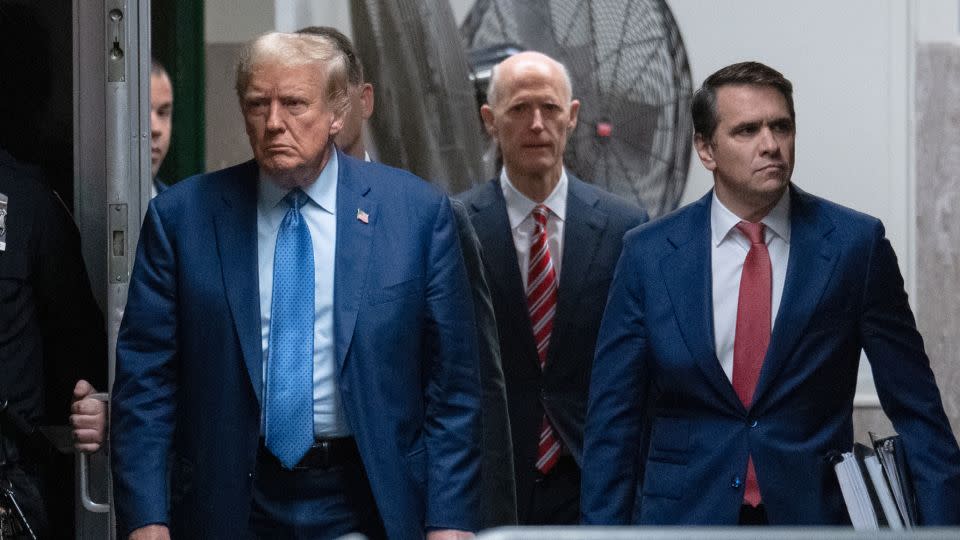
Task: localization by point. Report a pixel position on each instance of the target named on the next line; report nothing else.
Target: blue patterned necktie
(289, 386)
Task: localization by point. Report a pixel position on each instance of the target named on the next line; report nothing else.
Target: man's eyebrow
(746, 124)
(780, 120)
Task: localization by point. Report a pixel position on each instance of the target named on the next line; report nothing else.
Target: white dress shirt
(520, 213)
(729, 248)
(319, 212)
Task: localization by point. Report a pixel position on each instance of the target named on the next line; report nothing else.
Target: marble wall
(937, 301)
(937, 157)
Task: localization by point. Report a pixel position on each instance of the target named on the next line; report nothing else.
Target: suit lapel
(812, 261)
(583, 229)
(235, 223)
(354, 238)
(500, 256)
(687, 274)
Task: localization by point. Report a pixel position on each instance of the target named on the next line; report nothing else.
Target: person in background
(360, 92)
(161, 122)
(550, 243)
(51, 334)
(51, 329)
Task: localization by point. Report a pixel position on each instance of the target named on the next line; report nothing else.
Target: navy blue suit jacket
(593, 234)
(667, 439)
(189, 362)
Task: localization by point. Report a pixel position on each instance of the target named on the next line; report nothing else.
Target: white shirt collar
(519, 206)
(722, 220)
(322, 191)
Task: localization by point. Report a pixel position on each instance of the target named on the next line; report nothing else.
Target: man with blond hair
(298, 335)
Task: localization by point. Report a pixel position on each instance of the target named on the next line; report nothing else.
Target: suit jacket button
(754, 423)
(736, 483)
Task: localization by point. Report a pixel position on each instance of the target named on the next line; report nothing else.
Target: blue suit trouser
(315, 503)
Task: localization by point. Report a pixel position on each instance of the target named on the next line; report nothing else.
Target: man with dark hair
(550, 242)
(161, 121)
(298, 337)
(497, 489)
(727, 361)
(704, 104)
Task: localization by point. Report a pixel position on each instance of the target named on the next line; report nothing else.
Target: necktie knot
(295, 199)
(540, 212)
(753, 231)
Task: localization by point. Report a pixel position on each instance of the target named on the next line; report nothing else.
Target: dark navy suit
(189, 357)
(593, 231)
(667, 439)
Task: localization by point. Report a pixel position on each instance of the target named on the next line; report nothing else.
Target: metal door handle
(83, 464)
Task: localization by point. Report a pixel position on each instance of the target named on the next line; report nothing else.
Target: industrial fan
(625, 57)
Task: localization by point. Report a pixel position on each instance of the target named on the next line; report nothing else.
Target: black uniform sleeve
(72, 326)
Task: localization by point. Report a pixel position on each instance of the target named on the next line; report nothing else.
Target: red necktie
(753, 331)
(542, 303)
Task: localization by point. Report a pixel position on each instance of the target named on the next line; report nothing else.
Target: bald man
(550, 244)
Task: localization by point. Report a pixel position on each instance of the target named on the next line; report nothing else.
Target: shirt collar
(519, 206)
(722, 220)
(322, 191)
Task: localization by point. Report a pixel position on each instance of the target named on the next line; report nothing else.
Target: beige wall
(227, 25)
(225, 137)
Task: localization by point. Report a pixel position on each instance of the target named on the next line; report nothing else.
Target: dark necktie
(753, 331)
(542, 303)
(288, 400)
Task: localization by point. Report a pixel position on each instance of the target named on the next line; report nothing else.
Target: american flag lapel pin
(362, 216)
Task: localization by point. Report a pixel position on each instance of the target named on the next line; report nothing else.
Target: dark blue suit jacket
(593, 234)
(189, 363)
(656, 367)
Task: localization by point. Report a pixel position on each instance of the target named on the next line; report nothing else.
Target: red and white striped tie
(542, 303)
